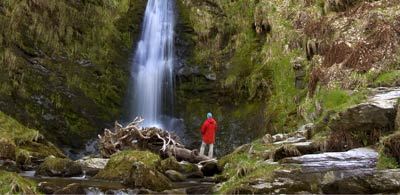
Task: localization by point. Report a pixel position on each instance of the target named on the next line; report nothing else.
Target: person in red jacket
(208, 130)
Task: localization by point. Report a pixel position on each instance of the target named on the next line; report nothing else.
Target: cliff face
(62, 63)
(275, 64)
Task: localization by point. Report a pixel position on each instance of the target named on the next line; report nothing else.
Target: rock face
(67, 86)
(59, 167)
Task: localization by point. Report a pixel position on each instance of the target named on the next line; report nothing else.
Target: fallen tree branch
(154, 139)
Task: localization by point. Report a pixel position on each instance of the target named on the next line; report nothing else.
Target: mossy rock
(175, 175)
(170, 163)
(63, 167)
(7, 149)
(143, 176)
(120, 164)
(12, 183)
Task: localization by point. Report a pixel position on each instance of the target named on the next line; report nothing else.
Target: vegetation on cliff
(63, 63)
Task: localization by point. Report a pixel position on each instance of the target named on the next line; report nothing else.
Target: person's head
(209, 115)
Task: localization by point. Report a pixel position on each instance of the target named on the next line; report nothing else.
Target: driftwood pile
(154, 139)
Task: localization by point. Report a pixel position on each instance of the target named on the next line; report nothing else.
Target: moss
(62, 73)
(120, 164)
(28, 143)
(169, 163)
(386, 162)
(391, 148)
(53, 166)
(7, 149)
(12, 183)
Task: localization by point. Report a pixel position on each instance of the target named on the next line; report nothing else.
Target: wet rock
(175, 191)
(60, 167)
(8, 165)
(141, 175)
(48, 188)
(211, 168)
(290, 140)
(174, 175)
(73, 188)
(7, 149)
(386, 181)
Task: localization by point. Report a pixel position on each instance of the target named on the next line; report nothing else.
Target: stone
(174, 175)
(73, 188)
(140, 175)
(373, 117)
(353, 159)
(91, 166)
(59, 167)
(7, 149)
(385, 181)
(210, 168)
(48, 188)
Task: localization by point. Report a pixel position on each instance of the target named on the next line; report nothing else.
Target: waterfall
(152, 66)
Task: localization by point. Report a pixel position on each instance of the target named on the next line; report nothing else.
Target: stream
(96, 186)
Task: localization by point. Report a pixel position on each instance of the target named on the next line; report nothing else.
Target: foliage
(12, 183)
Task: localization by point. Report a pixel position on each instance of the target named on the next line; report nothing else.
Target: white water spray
(152, 67)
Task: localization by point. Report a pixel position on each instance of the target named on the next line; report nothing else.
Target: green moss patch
(59, 167)
(120, 164)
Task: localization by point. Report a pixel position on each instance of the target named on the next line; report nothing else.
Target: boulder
(120, 164)
(143, 176)
(385, 181)
(174, 175)
(362, 124)
(60, 167)
(7, 149)
(91, 166)
(210, 168)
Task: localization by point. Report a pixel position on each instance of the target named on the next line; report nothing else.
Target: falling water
(152, 67)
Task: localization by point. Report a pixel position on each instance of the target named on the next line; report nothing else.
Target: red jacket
(208, 130)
